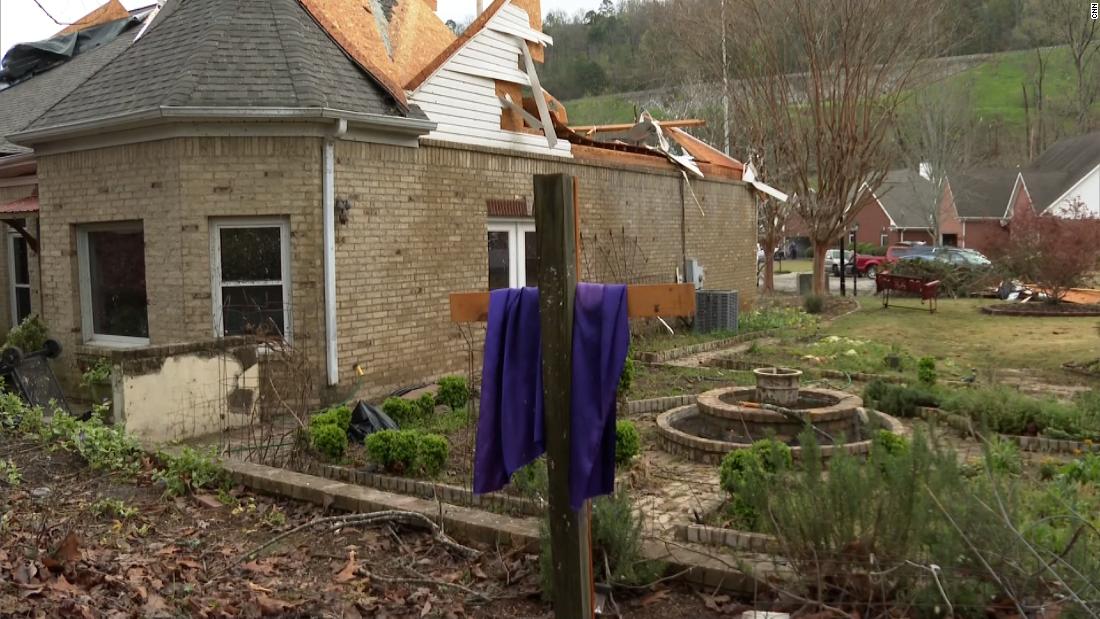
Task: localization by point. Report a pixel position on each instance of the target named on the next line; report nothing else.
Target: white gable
(1087, 190)
(460, 97)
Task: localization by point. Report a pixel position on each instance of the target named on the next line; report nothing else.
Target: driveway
(788, 282)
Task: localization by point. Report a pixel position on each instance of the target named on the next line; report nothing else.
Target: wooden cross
(558, 258)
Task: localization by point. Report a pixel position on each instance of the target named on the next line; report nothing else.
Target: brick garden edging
(657, 405)
(476, 526)
(1035, 444)
(730, 538)
(454, 495)
(663, 356)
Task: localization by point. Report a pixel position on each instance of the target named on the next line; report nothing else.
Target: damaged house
(327, 171)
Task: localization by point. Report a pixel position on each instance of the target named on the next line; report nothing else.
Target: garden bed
(1067, 310)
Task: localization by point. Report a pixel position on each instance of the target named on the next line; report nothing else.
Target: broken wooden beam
(642, 301)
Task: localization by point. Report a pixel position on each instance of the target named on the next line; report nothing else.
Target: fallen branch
(362, 571)
(351, 520)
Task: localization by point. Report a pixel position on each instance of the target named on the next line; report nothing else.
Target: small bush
(628, 443)
(425, 406)
(744, 473)
(340, 416)
(453, 392)
(897, 400)
(1007, 411)
(813, 304)
(29, 336)
(532, 480)
(329, 440)
(97, 374)
(888, 443)
(190, 470)
(10, 473)
(1003, 456)
(926, 371)
(113, 508)
(402, 411)
(1084, 470)
(955, 281)
(408, 451)
(626, 379)
(616, 542)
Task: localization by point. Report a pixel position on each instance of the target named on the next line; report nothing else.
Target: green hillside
(996, 91)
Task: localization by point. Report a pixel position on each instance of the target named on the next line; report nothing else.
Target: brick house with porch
(271, 162)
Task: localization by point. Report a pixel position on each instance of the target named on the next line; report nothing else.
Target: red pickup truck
(868, 266)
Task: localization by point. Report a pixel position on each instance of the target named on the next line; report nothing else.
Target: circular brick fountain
(733, 417)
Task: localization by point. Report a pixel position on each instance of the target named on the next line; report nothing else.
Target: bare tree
(827, 78)
(935, 132)
(1066, 22)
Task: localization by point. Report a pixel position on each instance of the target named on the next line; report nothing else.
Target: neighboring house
(33, 86)
(1065, 175)
(975, 209)
(897, 211)
(279, 164)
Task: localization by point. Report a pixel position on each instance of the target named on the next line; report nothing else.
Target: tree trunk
(769, 262)
(820, 247)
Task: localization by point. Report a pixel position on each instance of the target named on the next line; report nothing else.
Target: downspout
(328, 207)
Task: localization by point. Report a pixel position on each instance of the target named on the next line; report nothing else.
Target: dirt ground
(60, 556)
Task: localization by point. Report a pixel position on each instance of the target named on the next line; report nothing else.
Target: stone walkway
(704, 358)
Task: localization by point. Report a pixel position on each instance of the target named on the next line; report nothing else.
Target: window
(884, 239)
(512, 254)
(113, 302)
(19, 275)
(852, 237)
(250, 261)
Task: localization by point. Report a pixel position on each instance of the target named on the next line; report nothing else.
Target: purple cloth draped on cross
(510, 430)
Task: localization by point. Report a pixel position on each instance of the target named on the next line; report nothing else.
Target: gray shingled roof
(216, 53)
(982, 192)
(908, 198)
(27, 100)
(1060, 167)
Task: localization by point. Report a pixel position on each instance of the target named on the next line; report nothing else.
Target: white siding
(1087, 190)
(461, 96)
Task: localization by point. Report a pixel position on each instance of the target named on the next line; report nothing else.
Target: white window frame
(86, 321)
(216, 283)
(14, 287)
(517, 247)
(884, 239)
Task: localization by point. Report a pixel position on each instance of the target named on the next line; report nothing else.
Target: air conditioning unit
(716, 310)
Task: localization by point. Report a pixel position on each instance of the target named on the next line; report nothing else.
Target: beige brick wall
(175, 187)
(417, 232)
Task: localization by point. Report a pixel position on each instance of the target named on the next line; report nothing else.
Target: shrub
(99, 373)
(328, 439)
(955, 280)
(1003, 456)
(424, 406)
(626, 379)
(888, 443)
(813, 304)
(1007, 411)
(408, 451)
(1084, 470)
(30, 335)
(616, 542)
(103, 447)
(531, 480)
(402, 411)
(745, 473)
(1054, 251)
(453, 392)
(897, 400)
(10, 473)
(190, 470)
(926, 371)
(628, 442)
(339, 416)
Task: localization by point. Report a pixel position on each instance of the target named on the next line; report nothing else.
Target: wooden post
(569, 530)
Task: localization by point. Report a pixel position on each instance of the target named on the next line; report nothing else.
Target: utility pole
(725, 85)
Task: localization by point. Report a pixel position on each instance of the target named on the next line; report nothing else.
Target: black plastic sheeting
(366, 419)
(27, 59)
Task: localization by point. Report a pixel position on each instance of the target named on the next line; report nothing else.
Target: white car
(832, 260)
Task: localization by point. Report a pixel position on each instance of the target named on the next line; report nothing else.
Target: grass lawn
(801, 265)
(970, 339)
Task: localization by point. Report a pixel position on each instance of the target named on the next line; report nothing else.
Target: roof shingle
(214, 53)
(982, 192)
(908, 198)
(1061, 166)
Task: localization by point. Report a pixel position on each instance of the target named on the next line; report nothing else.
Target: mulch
(1067, 310)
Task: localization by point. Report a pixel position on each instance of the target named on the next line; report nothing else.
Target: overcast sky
(22, 20)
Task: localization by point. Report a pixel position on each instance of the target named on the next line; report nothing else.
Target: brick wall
(174, 187)
(417, 232)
